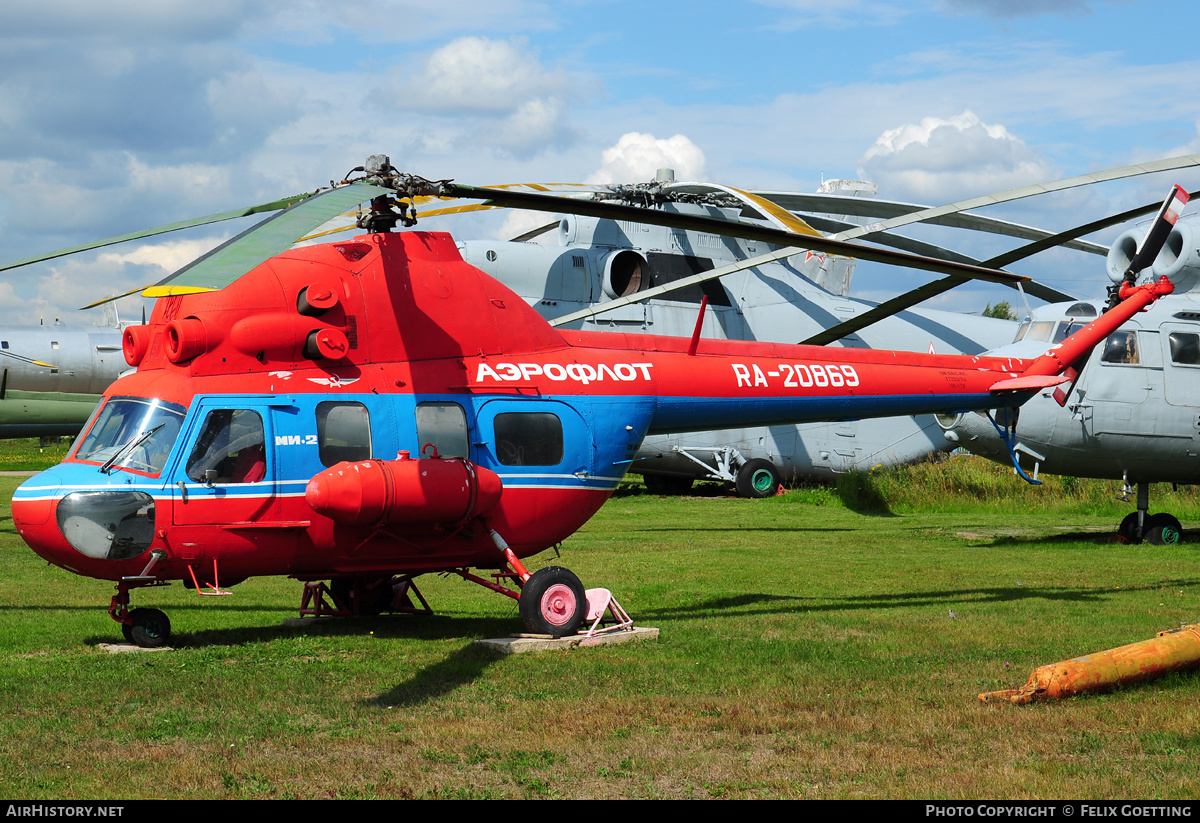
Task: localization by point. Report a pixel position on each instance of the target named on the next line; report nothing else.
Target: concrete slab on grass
(544, 642)
(125, 648)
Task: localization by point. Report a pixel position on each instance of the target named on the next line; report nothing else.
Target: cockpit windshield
(138, 432)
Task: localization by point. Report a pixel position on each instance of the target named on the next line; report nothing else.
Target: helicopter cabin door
(225, 475)
(536, 444)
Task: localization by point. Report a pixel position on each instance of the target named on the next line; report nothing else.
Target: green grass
(806, 651)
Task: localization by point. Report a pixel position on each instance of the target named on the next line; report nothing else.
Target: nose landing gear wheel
(150, 629)
(552, 602)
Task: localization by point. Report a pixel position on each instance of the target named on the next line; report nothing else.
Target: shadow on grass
(460, 668)
(765, 604)
(385, 627)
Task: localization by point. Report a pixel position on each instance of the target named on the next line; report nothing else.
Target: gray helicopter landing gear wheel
(1163, 529)
(757, 478)
(552, 602)
(150, 630)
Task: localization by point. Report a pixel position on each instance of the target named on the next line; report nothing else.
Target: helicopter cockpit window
(343, 432)
(529, 439)
(1185, 348)
(1121, 347)
(231, 446)
(138, 431)
(1041, 330)
(444, 425)
(1021, 332)
(1066, 329)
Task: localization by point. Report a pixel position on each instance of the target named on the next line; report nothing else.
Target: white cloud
(941, 160)
(498, 93)
(169, 256)
(636, 157)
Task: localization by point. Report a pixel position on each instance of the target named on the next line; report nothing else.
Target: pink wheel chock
(600, 603)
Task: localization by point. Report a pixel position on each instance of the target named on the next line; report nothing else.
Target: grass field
(807, 651)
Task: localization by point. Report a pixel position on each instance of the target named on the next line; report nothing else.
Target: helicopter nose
(102, 525)
(34, 499)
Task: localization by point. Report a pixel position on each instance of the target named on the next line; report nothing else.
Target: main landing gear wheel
(757, 478)
(1160, 529)
(1163, 530)
(552, 602)
(149, 630)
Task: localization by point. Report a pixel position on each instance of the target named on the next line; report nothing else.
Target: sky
(126, 114)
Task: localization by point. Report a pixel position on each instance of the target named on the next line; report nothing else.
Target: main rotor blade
(777, 237)
(1021, 252)
(1167, 164)
(883, 310)
(805, 204)
(1033, 287)
(233, 258)
(274, 205)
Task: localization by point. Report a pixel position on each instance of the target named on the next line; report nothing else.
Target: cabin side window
(1121, 347)
(343, 432)
(529, 439)
(231, 448)
(1185, 348)
(444, 425)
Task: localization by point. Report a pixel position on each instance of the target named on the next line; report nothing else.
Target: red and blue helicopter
(367, 411)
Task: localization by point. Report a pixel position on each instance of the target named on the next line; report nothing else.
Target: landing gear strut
(147, 628)
(1160, 529)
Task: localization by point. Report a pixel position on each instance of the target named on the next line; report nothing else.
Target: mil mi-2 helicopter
(1131, 413)
(256, 435)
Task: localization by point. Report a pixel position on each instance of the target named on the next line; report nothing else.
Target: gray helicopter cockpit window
(231, 448)
(1121, 347)
(138, 432)
(1066, 329)
(1185, 348)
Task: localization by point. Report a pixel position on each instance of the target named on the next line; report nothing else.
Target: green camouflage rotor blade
(233, 214)
(262, 241)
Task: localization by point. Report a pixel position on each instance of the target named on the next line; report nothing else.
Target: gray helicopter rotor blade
(232, 214)
(908, 244)
(804, 205)
(883, 311)
(1167, 164)
(1156, 235)
(1021, 252)
(777, 237)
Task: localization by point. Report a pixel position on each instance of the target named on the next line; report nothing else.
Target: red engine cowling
(430, 491)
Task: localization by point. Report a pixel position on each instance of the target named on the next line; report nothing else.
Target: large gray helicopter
(1133, 413)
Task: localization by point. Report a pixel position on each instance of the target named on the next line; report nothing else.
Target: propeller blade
(28, 360)
(113, 297)
(233, 258)
(538, 232)
(274, 205)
